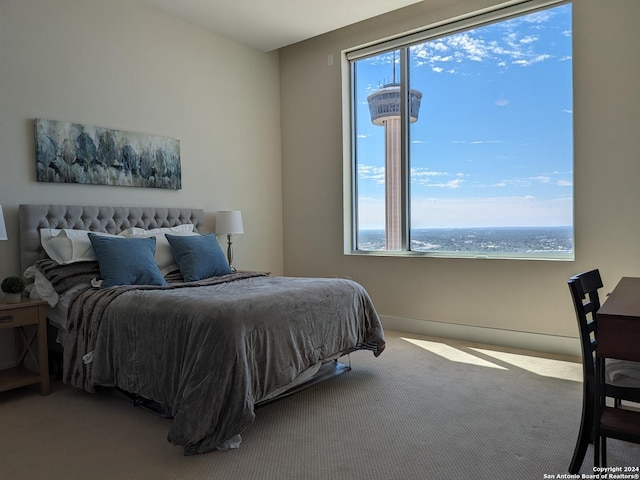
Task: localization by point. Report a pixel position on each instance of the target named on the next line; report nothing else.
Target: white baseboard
(506, 338)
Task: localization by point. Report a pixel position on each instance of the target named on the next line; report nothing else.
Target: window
(462, 139)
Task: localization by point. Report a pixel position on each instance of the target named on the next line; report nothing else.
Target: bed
(207, 347)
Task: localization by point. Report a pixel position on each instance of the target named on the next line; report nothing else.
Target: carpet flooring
(427, 408)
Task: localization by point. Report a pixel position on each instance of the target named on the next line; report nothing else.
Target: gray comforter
(211, 350)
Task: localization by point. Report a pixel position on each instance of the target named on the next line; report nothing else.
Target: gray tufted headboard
(98, 219)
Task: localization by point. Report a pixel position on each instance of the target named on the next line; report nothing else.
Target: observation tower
(384, 106)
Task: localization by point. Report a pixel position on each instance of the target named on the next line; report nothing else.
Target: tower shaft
(393, 184)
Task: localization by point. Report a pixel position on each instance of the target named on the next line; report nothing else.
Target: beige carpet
(425, 409)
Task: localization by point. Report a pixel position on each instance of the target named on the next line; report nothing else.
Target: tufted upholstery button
(104, 218)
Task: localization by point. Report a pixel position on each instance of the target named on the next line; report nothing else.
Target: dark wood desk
(619, 322)
(618, 334)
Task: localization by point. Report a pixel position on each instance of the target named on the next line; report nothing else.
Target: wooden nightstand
(28, 318)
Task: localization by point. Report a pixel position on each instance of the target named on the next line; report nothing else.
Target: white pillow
(66, 245)
(163, 256)
(136, 231)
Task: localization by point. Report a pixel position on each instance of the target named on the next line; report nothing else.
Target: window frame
(499, 13)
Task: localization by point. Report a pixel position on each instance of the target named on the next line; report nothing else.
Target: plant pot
(12, 297)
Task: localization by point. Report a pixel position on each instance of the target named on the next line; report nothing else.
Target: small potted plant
(12, 288)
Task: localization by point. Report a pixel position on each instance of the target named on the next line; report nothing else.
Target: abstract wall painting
(75, 153)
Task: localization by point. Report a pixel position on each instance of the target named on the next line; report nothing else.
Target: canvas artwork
(75, 153)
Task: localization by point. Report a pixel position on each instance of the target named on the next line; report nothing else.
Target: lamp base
(230, 252)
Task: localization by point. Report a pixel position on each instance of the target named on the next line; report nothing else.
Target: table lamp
(229, 223)
(3, 228)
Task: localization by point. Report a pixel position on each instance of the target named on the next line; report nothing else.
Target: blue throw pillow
(126, 261)
(198, 256)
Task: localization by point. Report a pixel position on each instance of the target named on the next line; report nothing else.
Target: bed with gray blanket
(209, 349)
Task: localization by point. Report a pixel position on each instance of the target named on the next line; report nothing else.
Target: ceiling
(270, 24)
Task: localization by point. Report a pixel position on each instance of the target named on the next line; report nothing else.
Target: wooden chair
(584, 289)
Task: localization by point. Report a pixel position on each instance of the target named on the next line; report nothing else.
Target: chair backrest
(584, 291)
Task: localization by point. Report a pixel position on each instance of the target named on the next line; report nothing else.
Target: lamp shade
(3, 228)
(229, 222)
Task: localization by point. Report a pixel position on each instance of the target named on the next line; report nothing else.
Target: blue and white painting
(75, 153)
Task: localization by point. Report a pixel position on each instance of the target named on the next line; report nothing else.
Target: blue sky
(493, 142)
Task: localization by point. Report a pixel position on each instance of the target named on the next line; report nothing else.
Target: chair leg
(600, 452)
(585, 434)
(600, 441)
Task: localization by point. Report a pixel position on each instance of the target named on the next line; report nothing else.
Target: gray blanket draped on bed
(211, 350)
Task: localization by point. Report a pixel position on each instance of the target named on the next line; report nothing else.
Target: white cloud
(480, 142)
(440, 46)
(533, 60)
(512, 48)
(514, 211)
(423, 176)
(538, 17)
(419, 176)
(370, 172)
(541, 179)
(528, 39)
(455, 183)
(491, 212)
(547, 179)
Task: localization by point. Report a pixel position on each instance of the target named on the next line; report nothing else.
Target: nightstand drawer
(18, 317)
